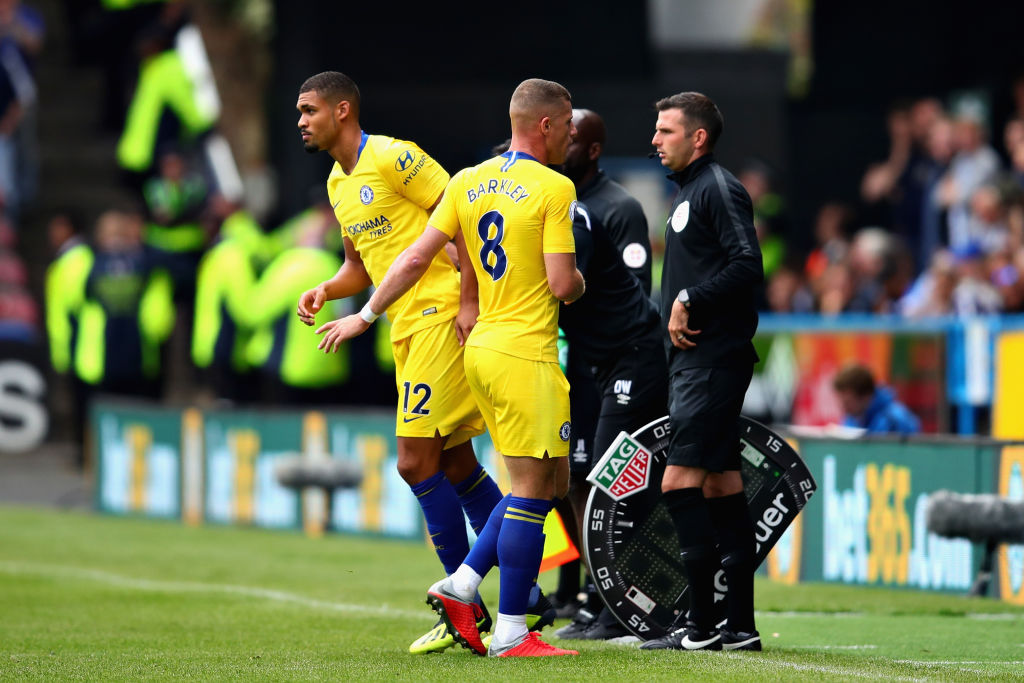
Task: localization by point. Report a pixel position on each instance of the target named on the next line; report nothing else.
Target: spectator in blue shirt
(872, 407)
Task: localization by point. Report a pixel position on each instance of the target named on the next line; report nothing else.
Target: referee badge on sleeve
(564, 430)
(634, 255)
(681, 216)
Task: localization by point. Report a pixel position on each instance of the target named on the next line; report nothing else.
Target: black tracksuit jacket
(712, 252)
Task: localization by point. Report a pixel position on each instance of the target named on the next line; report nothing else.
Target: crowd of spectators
(175, 285)
(21, 39)
(938, 229)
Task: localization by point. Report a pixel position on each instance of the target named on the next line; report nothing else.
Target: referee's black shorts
(633, 392)
(704, 409)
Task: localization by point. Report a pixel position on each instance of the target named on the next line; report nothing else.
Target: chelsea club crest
(365, 194)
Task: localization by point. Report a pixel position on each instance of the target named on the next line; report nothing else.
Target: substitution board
(630, 541)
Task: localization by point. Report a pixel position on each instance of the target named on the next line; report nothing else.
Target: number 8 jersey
(512, 210)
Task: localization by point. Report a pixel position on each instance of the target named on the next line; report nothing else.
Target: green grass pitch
(103, 599)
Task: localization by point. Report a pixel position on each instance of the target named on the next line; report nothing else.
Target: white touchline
(952, 665)
(810, 615)
(841, 671)
(121, 581)
(831, 647)
(796, 614)
(948, 662)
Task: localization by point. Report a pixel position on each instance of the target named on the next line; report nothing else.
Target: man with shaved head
(632, 388)
(516, 216)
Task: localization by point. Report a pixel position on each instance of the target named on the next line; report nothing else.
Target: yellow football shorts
(525, 403)
(433, 396)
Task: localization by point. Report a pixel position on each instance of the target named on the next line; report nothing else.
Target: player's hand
(679, 327)
(465, 321)
(339, 331)
(311, 301)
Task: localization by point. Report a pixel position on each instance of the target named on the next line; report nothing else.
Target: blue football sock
(520, 549)
(478, 494)
(484, 555)
(445, 523)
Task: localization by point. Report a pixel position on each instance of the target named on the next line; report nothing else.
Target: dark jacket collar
(691, 171)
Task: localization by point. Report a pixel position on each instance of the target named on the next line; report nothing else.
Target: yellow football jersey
(512, 210)
(382, 207)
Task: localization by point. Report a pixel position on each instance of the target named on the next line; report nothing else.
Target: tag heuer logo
(624, 469)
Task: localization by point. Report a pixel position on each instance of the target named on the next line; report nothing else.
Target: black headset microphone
(652, 155)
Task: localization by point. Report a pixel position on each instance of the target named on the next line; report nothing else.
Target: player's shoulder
(555, 182)
(460, 178)
(393, 152)
(472, 174)
(552, 180)
(487, 165)
(386, 143)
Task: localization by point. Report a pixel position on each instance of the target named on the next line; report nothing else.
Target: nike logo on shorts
(407, 420)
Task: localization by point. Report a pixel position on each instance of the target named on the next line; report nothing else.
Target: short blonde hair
(536, 97)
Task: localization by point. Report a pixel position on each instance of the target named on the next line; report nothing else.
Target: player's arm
(451, 248)
(469, 294)
(426, 188)
(564, 280)
(350, 279)
(407, 269)
(452, 252)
